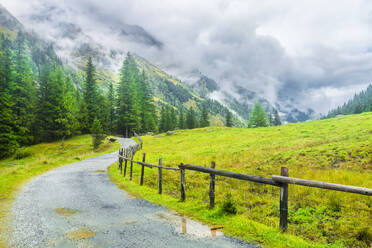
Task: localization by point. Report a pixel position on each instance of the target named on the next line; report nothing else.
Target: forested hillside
(44, 100)
(360, 103)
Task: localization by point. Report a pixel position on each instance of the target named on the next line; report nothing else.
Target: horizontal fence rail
(281, 181)
(323, 185)
(148, 164)
(224, 173)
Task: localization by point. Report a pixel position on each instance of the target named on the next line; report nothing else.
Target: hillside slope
(74, 40)
(171, 91)
(337, 150)
(165, 89)
(361, 102)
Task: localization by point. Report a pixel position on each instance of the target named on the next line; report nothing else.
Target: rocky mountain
(73, 42)
(40, 51)
(241, 101)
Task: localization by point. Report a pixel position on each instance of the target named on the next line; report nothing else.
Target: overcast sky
(317, 52)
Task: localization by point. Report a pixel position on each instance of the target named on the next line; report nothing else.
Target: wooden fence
(281, 181)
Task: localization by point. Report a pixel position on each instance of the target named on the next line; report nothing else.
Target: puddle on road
(130, 197)
(100, 171)
(82, 233)
(67, 212)
(130, 222)
(185, 225)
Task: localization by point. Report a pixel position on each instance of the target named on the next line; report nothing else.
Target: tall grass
(335, 150)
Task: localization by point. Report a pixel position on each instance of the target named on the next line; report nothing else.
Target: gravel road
(77, 206)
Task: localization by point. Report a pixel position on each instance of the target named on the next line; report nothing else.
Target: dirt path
(77, 206)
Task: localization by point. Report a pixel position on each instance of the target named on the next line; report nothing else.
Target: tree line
(360, 103)
(43, 102)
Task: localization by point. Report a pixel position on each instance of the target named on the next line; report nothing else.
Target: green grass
(38, 159)
(334, 150)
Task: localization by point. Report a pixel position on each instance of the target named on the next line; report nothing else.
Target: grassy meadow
(337, 150)
(34, 160)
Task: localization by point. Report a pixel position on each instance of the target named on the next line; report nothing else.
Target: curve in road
(77, 206)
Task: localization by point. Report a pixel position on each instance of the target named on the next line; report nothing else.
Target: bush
(229, 205)
(20, 154)
(97, 134)
(365, 235)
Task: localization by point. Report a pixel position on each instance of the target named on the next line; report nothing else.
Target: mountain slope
(169, 90)
(40, 51)
(74, 40)
(361, 102)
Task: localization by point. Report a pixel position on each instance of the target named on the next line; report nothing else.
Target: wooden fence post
(284, 201)
(212, 186)
(125, 162)
(121, 160)
(160, 177)
(183, 195)
(143, 168)
(131, 167)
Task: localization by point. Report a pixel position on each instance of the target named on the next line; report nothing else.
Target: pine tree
(190, 119)
(204, 122)
(163, 119)
(270, 119)
(23, 91)
(8, 139)
(258, 117)
(90, 96)
(148, 113)
(129, 109)
(172, 119)
(229, 122)
(276, 121)
(97, 133)
(181, 120)
(102, 114)
(111, 105)
(55, 114)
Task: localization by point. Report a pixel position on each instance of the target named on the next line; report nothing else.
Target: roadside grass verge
(37, 159)
(337, 150)
(237, 226)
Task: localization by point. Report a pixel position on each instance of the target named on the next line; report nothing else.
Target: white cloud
(317, 52)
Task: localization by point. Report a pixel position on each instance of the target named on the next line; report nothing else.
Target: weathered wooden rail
(281, 181)
(128, 154)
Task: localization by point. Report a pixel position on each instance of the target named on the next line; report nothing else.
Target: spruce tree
(181, 120)
(172, 119)
(90, 96)
(97, 133)
(204, 122)
(148, 112)
(258, 117)
(23, 91)
(111, 106)
(129, 109)
(228, 121)
(276, 121)
(163, 119)
(270, 119)
(8, 139)
(55, 114)
(190, 119)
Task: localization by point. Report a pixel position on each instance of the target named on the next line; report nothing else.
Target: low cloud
(317, 54)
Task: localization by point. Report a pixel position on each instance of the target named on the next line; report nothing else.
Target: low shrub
(229, 205)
